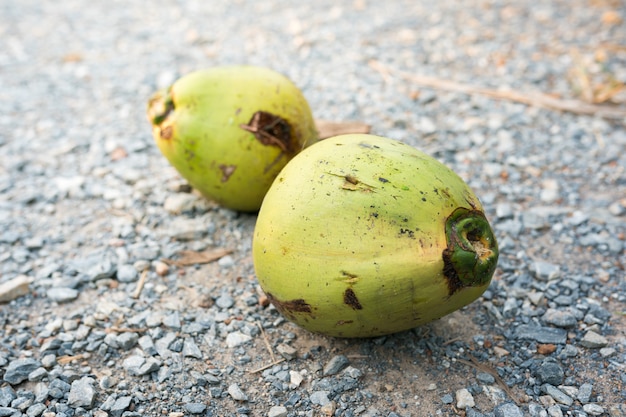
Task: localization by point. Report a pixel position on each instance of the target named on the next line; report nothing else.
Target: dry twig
(190, 257)
(473, 362)
(532, 99)
(268, 346)
(141, 283)
(268, 366)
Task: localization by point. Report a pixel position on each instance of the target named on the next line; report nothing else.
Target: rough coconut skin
(362, 236)
(229, 130)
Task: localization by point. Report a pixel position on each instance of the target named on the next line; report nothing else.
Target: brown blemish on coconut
(349, 298)
(289, 308)
(271, 130)
(227, 171)
(167, 132)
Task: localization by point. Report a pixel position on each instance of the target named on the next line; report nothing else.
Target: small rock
(507, 410)
(190, 349)
(127, 273)
(541, 334)
(82, 393)
(464, 399)
(14, 288)
(593, 340)
(607, 352)
(545, 271)
(236, 392)
(36, 409)
(19, 369)
(550, 372)
(485, 378)
(559, 318)
(319, 398)
(195, 408)
(120, 405)
(352, 372)
(7, 395)
(226, 261)
(447, 399)
(555, 411)
(127, 340)
(277, 411)
(335, 365)
(286, 351)
(558, 395)
(593, 409)
(180, 202)
(225, 301)
(132, 364)
(172, 320)
(295, 378)
(584, 393)
(237, 338)
(62, 294)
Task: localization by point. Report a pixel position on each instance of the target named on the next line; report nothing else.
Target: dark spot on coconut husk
(349, 298)
(271, 130)
(227, 171)
(289, 308)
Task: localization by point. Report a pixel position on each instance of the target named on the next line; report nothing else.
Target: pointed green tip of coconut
(471, 256)
(160, 105)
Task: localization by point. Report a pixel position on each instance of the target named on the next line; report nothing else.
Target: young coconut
(363, 236)
(230, 130)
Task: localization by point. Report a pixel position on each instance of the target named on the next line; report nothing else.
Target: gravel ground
(89, 208)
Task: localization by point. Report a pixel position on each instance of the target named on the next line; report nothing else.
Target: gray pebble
(593, 409)
(605, 352)
(127, 273)
(550, 372)
(507, 410)
(319, 398)
(38, 374)
(36, 410)
(190, 349)
(172, 320)
(147, 345)
(224, 301)
(62, 294)
(559, 318)
(555, 411)
(335, 365)
(127, 340)
(277, 411)
(485, 378)
(593, 340)
(226, 261)
(236, 393)
(447, 399)
(58, 388)
(195, 408)
(19, 369)
(82, 393)
(236, 339)
(584, 393)
(286, 351)
(464, 399)
(569, 351)
(120, 405)
(9, 411)
(535, 410)
(541, 334)
(470, 412)
(107, 382)
(7, 395)
(545, 271)
(558, 395)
